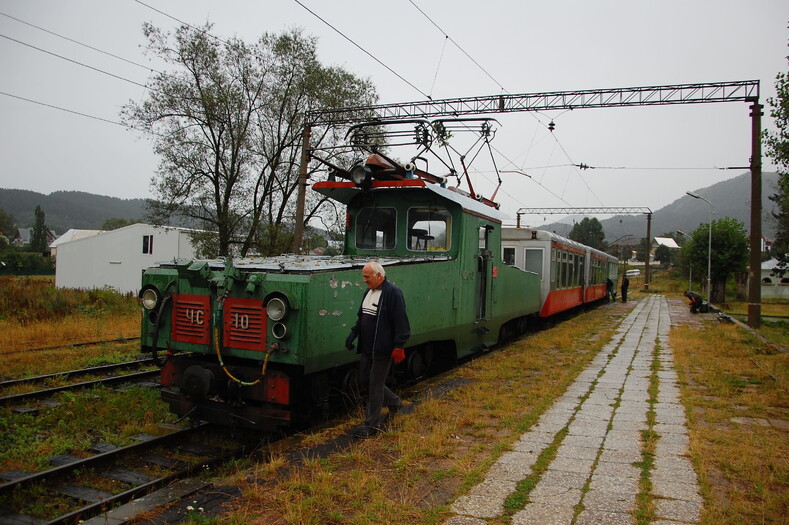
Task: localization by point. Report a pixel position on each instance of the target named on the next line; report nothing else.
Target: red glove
(398, 354)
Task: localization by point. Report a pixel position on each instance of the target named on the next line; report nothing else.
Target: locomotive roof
(344, 192)
(291, 263)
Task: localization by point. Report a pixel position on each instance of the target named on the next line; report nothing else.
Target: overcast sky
(643, 156)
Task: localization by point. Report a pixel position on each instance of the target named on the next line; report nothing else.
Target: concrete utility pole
(301, 189)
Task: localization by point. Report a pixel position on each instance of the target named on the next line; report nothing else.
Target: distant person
(382, 329)
(696, 302)
(625, 286)
(609, 290)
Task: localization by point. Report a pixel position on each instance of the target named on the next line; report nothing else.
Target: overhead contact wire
(81, 114)
(313, 13)
(64, 109)
(75, 62)
(447, 37)
(440, 59)
(80, 43)
(458, 46)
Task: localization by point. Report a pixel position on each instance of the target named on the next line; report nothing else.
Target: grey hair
(376, 267)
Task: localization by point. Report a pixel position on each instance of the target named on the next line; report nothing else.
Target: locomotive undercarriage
(205, 392)
(196, 387)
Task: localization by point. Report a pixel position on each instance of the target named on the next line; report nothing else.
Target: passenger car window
(533, 262)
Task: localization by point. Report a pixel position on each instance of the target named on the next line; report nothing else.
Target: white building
(773, 286)
(117, 258)
(668, 242)
(71, 235)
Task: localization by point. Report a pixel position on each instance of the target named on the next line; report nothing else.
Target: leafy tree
(663, 254)
(7, 224)
(227, 125)
(777, 147)
(39, 237)
(729, 253)
(588, 232)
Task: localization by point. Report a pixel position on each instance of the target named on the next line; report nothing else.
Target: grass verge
(735, 391)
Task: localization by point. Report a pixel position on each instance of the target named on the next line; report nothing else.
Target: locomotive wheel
(350, 387)
(415, 364)
(197, 382)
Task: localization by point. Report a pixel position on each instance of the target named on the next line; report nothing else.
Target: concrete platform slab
(595, 461)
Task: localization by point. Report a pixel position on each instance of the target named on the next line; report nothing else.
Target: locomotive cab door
(484, 273)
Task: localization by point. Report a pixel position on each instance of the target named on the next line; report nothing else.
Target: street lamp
(690, 266)
(709, 247)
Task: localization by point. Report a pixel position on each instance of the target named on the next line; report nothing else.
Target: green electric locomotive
(260, 342)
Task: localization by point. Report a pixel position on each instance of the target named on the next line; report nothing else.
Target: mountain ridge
(730, 198)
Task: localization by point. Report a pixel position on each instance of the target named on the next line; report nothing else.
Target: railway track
(128, 468)
(79, 485)
(71, 345)
(108, 370)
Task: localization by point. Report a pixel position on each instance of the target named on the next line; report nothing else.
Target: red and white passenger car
(571, 273)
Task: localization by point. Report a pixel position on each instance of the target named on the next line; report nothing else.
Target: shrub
(28, 299)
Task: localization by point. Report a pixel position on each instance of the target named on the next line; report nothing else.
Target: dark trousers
(373, 373)
(624, 295)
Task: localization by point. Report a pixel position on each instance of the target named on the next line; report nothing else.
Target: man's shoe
(364, 432)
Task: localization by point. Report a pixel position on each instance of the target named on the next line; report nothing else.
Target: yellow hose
(227, 372)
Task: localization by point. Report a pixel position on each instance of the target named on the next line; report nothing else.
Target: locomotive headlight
(149, 297)
(276, 309)
(279, 330)
(361, 174)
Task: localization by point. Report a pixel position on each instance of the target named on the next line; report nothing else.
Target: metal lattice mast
(736, 91)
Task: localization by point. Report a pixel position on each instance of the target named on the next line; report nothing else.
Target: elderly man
(383, 329)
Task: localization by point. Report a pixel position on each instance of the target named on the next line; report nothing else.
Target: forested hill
(68, 209)
(731, 198)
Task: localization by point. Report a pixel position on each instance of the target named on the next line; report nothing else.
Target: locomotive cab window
(376, 228)
(429, 229)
